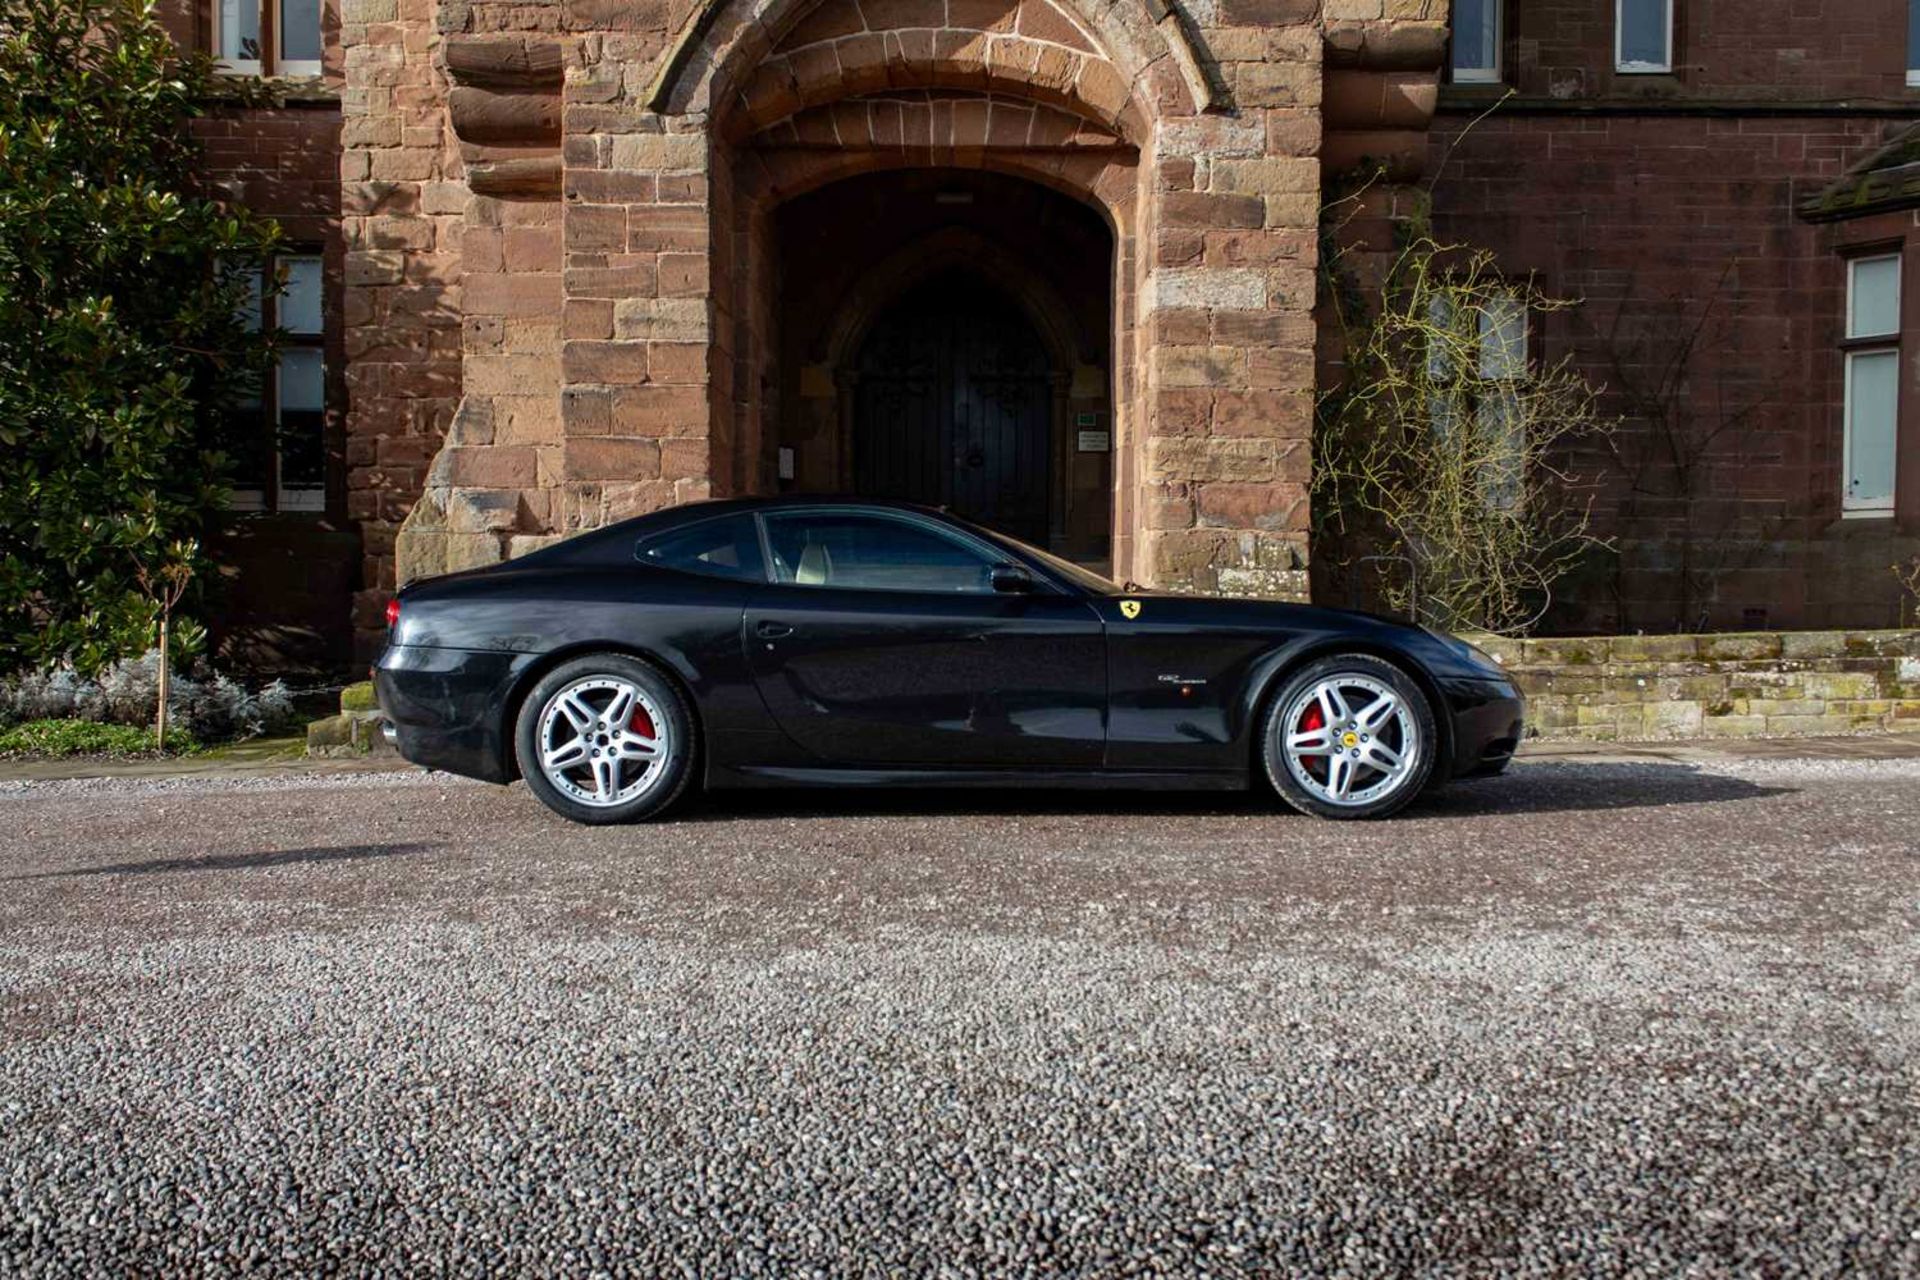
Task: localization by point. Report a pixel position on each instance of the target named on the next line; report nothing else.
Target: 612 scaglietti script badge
(784, 641)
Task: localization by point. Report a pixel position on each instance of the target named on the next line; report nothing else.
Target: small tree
(123, 345)
(1446, 444)
(163, 584)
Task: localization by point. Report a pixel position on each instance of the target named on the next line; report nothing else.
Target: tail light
(393, 613)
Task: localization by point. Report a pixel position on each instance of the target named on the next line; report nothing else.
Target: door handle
(772, 630)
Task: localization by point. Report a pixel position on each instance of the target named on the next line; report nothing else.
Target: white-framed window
(1871, 405)
(236, 36)
(1476, 41)
(1643, 36)
(1479, 377)
(1913, 44)
(267, 37)
(282, 466)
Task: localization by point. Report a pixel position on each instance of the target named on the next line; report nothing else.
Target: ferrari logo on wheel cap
(1349, 739)
(1130, 608)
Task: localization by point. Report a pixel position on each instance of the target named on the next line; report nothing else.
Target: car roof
(613, 543)
(768, 501)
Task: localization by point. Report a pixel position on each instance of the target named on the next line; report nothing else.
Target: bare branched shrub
(1449, 445)
(1909, 576)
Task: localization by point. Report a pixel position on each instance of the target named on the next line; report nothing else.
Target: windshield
(1085, 578)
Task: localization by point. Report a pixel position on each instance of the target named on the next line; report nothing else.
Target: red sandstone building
(1054, 263)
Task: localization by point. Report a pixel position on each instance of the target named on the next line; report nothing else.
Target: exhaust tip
(391, 734)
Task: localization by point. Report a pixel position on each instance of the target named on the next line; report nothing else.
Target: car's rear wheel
(1350, 736)
(605, 738)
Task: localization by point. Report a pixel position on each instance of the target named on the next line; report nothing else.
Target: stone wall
(1740, 685)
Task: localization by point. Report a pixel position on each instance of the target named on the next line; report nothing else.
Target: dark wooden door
(953, 408)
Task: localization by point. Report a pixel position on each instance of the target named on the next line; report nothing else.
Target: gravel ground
(1591, 1019)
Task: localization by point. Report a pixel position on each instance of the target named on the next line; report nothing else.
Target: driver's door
(880, 642)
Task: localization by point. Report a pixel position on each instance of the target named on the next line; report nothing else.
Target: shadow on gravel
(239, 861)
(1541, 788)
(1567, 788)
(831, 802)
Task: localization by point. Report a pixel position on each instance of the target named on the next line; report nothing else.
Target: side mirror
(1010, 580)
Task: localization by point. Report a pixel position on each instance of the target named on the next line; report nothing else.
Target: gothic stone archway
(601, 224)
(1212, 218)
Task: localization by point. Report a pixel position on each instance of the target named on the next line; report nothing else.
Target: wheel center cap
(1349, 739)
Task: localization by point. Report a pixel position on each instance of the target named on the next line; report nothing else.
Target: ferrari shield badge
(1130, 608)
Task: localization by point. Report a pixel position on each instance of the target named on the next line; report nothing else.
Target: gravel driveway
(1591, 1019)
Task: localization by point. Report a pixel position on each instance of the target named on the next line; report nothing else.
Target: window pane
(1476, 38)
(300, 305)
(300, 30)
(1873, 306)
(303, 380)
(249, 441)
(1644, 33)
(1913, 37)
(239, 31)
(251, 303)
(1443, 356)
(302, 460)
(1873, 407)
(874, 553)
(1504, 451)
(725, 548)
(1503, 339)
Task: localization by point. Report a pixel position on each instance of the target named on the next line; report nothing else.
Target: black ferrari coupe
(791, 641)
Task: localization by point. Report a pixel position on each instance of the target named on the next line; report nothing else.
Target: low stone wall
(1742, 685)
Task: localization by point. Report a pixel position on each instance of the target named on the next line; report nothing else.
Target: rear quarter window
(724, 547)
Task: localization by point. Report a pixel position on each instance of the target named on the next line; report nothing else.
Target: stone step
(353, 732)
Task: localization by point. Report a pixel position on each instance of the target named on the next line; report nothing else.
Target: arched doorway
(953, 407)
(945, 337)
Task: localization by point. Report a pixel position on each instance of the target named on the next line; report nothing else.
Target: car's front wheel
(605, 738)
(1350, 736)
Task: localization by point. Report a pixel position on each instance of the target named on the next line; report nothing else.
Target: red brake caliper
(641, 723)
(1308, 723)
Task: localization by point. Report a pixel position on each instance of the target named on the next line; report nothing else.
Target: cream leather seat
(816, 566)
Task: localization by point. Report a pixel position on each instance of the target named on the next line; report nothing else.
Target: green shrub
(86, 738)
(124, 353)
(201, 702)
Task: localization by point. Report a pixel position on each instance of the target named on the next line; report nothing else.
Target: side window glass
(872, 553)
(728, 547)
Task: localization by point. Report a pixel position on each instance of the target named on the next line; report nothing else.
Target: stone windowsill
(280, 91)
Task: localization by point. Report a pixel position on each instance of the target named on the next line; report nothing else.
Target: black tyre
(1350, 736)
(605, 738)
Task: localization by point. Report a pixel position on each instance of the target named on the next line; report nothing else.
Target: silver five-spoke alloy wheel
(1350, 740)
(602, 741)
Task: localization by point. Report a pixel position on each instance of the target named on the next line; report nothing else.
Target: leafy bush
(124, 353)
(85, 738)
(209, 707)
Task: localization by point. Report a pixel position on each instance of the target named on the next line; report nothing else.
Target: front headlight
(1473, 653)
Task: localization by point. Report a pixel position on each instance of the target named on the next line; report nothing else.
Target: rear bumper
(446, 708)
(1489, 719)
